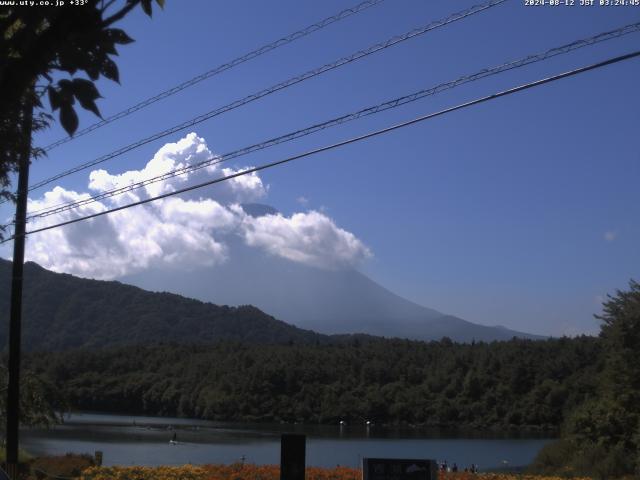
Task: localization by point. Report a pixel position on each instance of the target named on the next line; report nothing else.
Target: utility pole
(15, 319)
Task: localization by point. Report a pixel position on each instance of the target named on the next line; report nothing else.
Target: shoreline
(438, 431)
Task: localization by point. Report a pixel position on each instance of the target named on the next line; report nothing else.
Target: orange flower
(265, 472)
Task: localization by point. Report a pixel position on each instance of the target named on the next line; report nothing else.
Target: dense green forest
(516, 384)
(241, 364)
(601, 437)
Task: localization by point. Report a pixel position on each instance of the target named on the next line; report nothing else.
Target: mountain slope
(325, 301)
(62, 311)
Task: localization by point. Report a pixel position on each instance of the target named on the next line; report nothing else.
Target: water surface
(136, 440)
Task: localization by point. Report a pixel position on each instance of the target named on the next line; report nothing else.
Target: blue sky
(522, 211)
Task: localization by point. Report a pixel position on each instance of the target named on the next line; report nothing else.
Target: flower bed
(265, 472)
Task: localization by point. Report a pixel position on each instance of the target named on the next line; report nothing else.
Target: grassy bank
(264, 472)
(232, 472)
(23, 456)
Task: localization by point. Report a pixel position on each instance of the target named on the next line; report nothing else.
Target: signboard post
(292, 457)
(398, 469)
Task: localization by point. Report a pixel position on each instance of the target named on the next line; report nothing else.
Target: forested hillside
(515, 384)
(601, 438)
(62, 311)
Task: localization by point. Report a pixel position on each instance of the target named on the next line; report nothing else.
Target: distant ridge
(343, 301)
(61, 311)
(258, 209)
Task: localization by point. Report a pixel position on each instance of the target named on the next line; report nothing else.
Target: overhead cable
(345, 142)
(219, 69)
(280, 86)
(528, 60)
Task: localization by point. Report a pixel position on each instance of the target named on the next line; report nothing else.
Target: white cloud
(244, 188)
(190, 150)
(311, 238)
(179, 232)
(304, 201)
(610, 236)
(171, 232)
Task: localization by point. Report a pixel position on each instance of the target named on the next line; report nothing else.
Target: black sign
(398, 469)
(292, 457)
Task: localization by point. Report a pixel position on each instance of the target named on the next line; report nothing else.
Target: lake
(137, 440)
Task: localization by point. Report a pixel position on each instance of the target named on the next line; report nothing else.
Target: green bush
(552, 459)
(569, 458)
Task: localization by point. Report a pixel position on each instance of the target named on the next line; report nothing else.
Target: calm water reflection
(128, 440)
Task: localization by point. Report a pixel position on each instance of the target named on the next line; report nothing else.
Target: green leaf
(85, 89)
(93, 70)
(54, 98)
(110, 70)
(146, 6)
(65, 85)
(68, 57)
(107, 45)
(118, 36)
(68, 118)
(86, 93)
(91, 106)
(66, 90)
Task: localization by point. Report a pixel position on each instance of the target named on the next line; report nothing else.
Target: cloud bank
(183, 232)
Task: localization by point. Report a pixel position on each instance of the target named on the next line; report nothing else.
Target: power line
(528, 60)
(280, 86)
(285, 84)
(220, 68)
(346, 142)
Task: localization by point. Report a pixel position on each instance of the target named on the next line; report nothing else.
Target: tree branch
(104, 7)
(120, 14)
